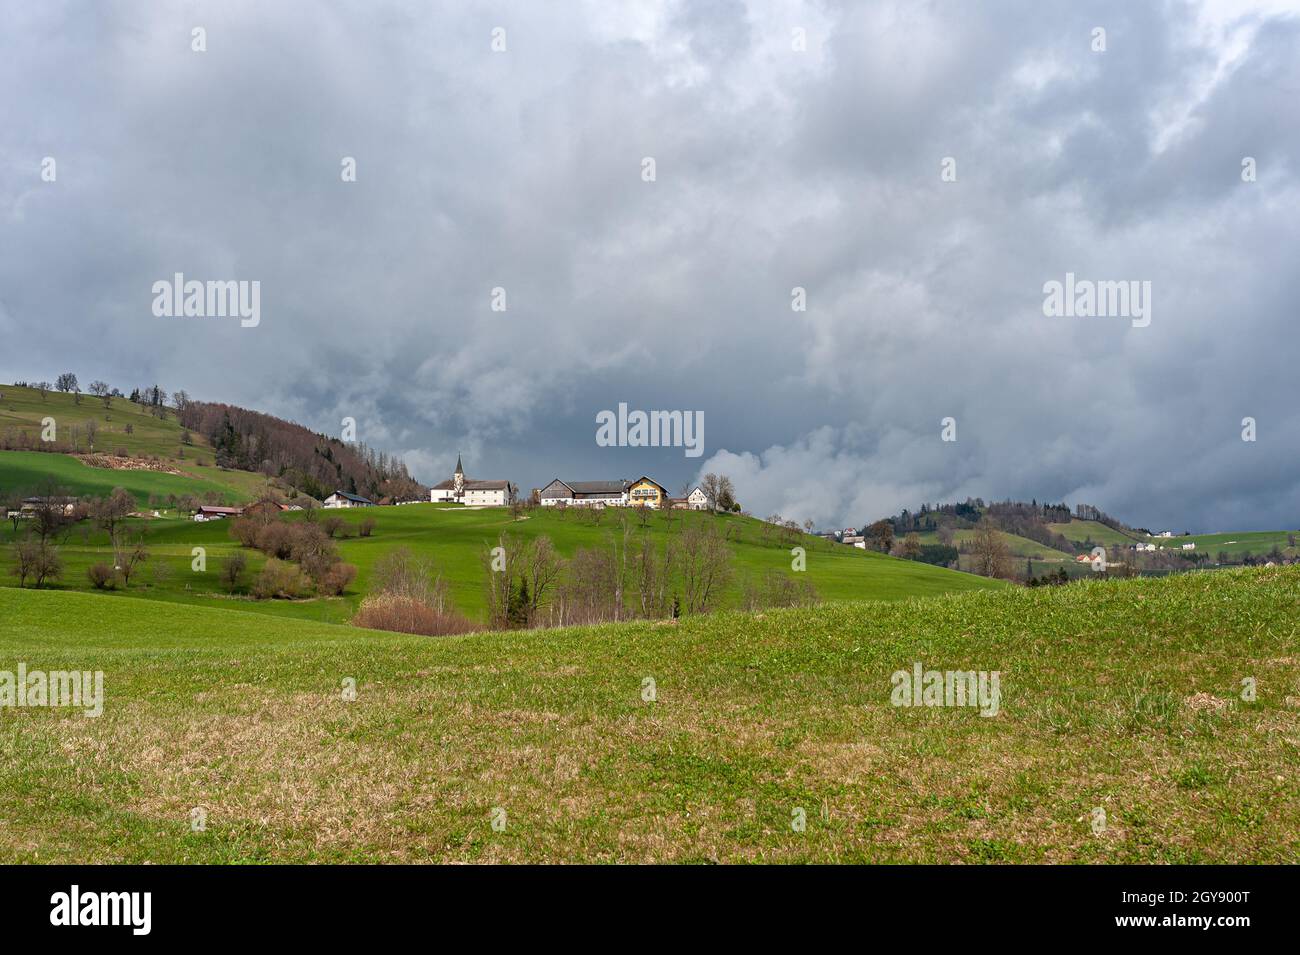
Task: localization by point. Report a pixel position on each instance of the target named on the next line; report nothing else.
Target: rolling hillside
(1080, 532)
(122, 426)
(1123, 696)
(456, 539)
(248, 445)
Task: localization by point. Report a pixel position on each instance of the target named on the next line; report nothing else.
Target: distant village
(461, 489)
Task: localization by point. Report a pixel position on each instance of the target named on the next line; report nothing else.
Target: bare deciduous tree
(990, 556)
(704, 562)
(232, 568)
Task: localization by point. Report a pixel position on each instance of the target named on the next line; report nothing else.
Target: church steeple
(459, 469)
(458, 478)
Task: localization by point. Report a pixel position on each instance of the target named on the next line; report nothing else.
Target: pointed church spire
(459, 469)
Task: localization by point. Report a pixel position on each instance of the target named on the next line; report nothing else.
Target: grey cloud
(775, 169)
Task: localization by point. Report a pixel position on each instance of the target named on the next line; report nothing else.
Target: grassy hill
(1122, 695)
(1078, 531)
(1018, 546)
(28, 471)
(1257, 543)
(456, 538)
(23, 409)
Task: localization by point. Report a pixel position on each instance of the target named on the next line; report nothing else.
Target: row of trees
(630, 577)
(528, 583)
(314, 464)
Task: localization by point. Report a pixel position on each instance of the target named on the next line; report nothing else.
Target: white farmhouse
(344, 499)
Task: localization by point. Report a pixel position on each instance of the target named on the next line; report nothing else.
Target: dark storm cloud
(775, 169)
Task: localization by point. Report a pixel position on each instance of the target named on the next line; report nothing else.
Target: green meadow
(456, 539)
(28, 472)
(22, 410)
(1120, 702)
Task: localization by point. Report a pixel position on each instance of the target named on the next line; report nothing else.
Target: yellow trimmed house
(648, 492)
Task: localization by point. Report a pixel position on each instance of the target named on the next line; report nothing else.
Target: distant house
(266, 507)
(1140, 546)
(461, 490)
(31, 504)
(1191, 546)
(694, 501)
(584, 493)
(208, 512)
(344, 499)
(645, 490)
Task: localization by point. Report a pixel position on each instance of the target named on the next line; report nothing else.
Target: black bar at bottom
(335, 904)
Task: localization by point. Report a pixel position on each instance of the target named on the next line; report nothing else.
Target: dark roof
(597, 487)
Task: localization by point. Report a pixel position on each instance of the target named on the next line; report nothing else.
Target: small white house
(697, 500)
(344, 499)
(1191, 546)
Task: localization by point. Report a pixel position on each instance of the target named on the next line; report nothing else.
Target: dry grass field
(1117, 695)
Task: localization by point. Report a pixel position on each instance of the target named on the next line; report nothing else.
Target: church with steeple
(462, 490)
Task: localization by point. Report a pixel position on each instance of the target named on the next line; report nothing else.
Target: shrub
(275, 539)
(335, 580)
(367, 527)
(244, 530)
(401, 572)
(402, 614)
(280, 579)
(777, 590)
(101, 576)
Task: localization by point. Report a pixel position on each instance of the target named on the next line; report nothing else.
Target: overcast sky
(775, 167)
